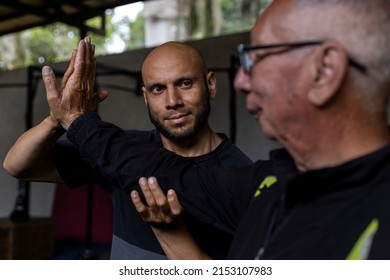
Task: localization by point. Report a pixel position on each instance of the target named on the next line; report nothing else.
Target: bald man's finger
(175, 206)
(159, 196)
(149, 198)
(138, 204)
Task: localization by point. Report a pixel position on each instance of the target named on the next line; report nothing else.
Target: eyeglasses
(247, 63)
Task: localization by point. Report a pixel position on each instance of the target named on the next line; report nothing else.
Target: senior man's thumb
(49, 80)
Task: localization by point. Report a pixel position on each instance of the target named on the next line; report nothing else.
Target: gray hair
(361, 26)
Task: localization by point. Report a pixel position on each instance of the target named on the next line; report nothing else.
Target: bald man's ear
(144, 93)
(211, 84)
(331, 66)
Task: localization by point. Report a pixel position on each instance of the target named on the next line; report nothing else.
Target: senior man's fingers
(68, 71)
(49, 81)
(80, 60)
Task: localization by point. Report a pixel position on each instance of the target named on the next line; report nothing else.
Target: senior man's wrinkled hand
(76, 94)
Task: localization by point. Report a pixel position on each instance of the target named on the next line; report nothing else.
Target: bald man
(177, 91)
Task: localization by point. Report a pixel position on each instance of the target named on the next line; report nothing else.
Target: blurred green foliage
(54, 42)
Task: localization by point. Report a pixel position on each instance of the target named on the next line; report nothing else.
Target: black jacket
(333, 213)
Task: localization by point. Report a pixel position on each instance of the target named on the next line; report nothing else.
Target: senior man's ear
(331, 65)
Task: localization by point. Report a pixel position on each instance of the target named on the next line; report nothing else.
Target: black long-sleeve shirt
(332, 213)
(132, 237)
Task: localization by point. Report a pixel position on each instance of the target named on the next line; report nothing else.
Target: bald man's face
(176, 91)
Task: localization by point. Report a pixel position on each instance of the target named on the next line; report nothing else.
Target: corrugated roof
(18, 15)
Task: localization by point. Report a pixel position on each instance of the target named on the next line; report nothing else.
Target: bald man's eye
(156, 90)
(186, 84)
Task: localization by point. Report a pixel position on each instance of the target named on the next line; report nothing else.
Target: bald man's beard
(201, 119)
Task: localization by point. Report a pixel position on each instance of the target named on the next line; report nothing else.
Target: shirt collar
(304, 186)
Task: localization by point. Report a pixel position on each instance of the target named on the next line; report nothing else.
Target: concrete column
(166, 20)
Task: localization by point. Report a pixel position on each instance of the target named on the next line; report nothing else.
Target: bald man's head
(169, 53)
(177, 91)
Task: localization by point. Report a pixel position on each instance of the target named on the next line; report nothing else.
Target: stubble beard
(201, 119)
